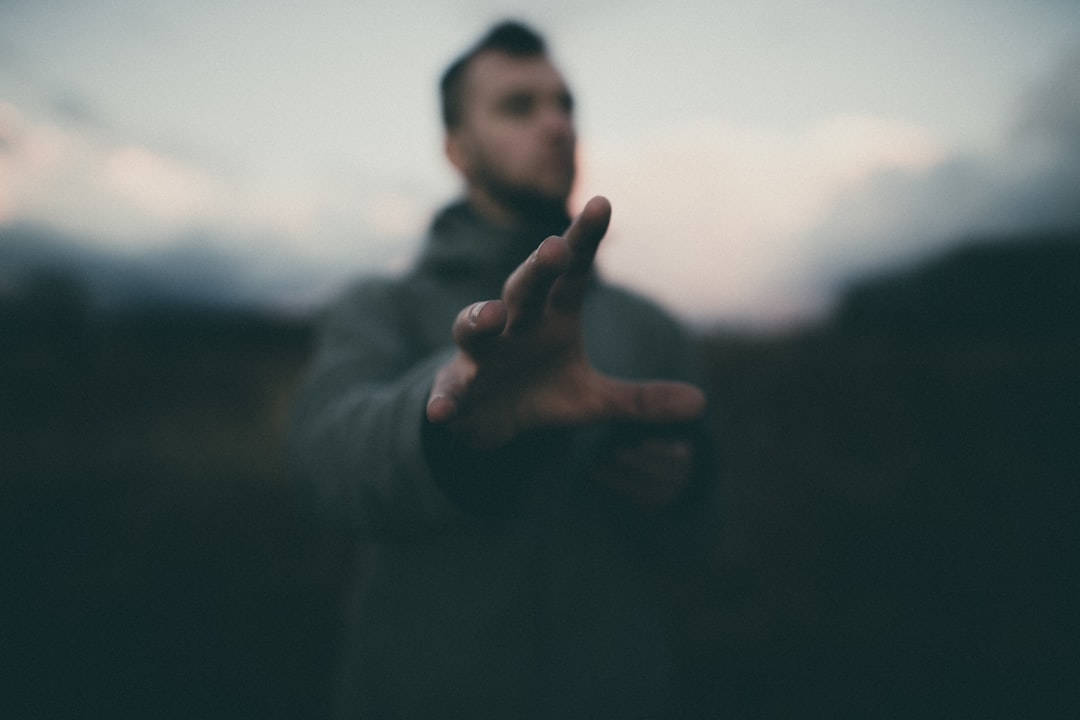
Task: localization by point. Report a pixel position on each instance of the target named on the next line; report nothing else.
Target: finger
(657, 402)
(478, 325)
(583, 237)
(585, 233)
(441, 408)
(446, 392)
(525, 293)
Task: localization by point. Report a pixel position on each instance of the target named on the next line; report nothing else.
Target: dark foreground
(900, 524)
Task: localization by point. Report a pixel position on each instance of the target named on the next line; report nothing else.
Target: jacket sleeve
(356, 430)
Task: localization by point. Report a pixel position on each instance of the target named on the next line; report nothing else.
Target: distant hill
(1019, 288)
(191, 271)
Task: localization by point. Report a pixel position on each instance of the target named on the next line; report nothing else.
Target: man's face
(516, 139)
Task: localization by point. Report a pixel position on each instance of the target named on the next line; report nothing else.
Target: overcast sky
(755, 153)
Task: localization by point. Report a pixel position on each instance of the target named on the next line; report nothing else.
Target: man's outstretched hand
(521, 363)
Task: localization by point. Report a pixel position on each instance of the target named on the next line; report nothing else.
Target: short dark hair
(510, 38)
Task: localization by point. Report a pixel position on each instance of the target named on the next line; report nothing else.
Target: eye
(566, 102)
(518, 105)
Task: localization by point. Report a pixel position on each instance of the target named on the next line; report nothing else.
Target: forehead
(493, 75)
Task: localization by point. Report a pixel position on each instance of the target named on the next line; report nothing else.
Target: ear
(456, 153)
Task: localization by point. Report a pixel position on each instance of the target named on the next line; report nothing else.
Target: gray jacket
(502, 585)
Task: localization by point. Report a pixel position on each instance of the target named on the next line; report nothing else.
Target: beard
(537, 205)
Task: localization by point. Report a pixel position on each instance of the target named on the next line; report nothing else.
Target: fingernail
(439, 409)
(474, 313)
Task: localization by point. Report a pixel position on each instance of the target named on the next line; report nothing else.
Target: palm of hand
(527, 378)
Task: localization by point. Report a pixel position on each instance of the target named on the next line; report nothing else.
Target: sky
(757, 155)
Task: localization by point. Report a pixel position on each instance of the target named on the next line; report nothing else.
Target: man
(467, 421)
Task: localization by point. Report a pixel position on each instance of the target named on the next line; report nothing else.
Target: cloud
(1051, 110)
(187, 225)
(79, 179)
(1031, 182)
(709, 217)
(717, 220)
(759, 227)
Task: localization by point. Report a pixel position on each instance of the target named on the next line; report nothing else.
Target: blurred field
(157, 561)
(901, 491)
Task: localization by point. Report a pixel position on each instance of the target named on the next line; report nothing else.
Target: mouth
(560, 163)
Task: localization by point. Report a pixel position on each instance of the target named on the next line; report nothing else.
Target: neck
(517, 213)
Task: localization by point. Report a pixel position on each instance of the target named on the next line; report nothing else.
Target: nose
(557, 121)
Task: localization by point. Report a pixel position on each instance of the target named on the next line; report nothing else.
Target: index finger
(583, 237)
